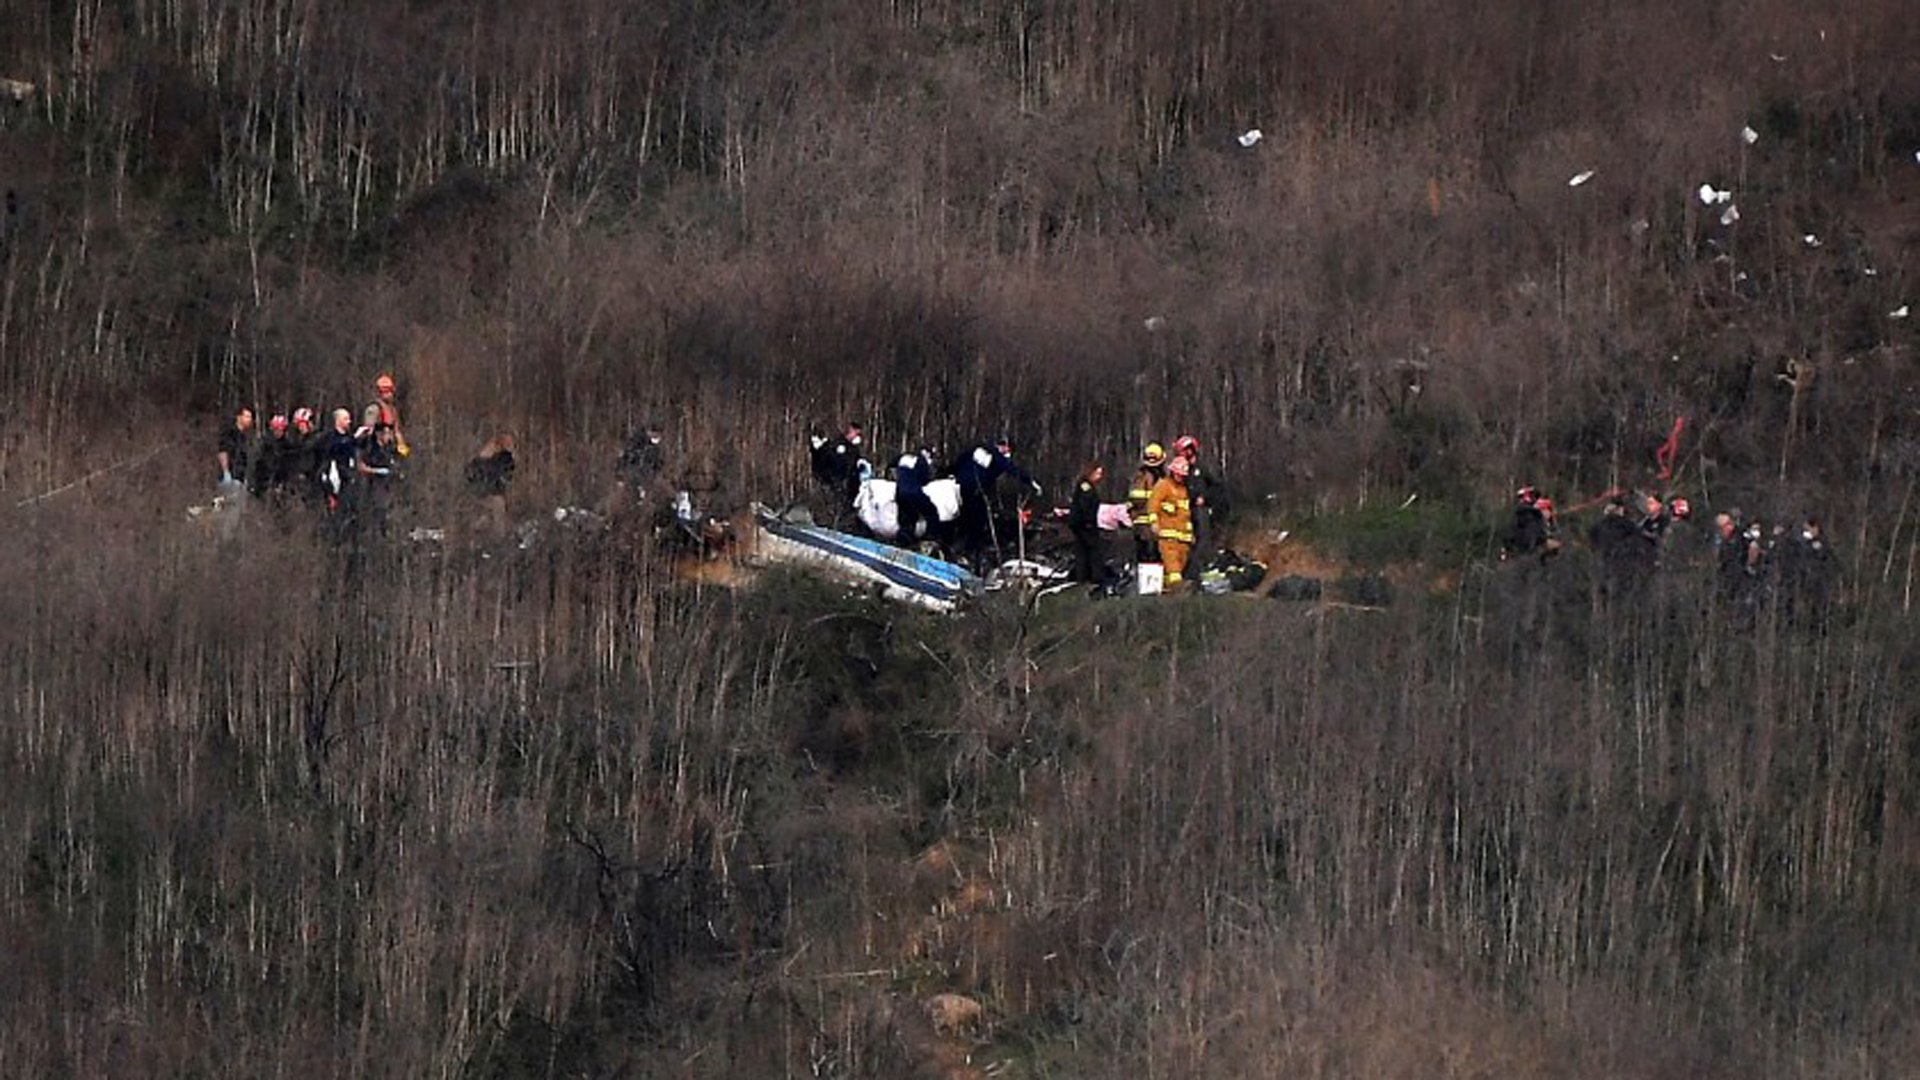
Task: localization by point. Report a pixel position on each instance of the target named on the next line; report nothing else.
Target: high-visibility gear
(1139, 494)
(1153, 455)
(1173, 556)
(1172, 511)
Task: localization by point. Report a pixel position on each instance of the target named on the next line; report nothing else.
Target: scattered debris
(16, 90)
(1580, 178)
(219, 502)
(427, 536)
(1640, 227)
(578, 516)
(1898, 313)
(1710, 195)
(1155, 324)
(1250, 137)
(1749, 136)
(1810, 240)
(1730, 215)
(1870, 271)
(1023, 571)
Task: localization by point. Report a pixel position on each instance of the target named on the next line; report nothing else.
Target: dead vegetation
(273, 807)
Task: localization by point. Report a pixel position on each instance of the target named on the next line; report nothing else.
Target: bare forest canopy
(944, 218)
(266, 808)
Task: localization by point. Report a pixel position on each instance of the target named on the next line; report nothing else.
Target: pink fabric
(1115, 516)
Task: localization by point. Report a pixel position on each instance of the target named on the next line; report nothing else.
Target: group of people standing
(839, 464)
(1637, 534)
(345, 470)
(1173, 504)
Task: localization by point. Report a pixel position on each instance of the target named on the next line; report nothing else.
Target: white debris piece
(1778, 58)
(1898, 313)
(1870, 271)
(1580, 178)
(1250, 137)
(1810, 240)
(15, 89)
(1749, 136)
(1710, 195)
(1730, 215)
(1154, 324)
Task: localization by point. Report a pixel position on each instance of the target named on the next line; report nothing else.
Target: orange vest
(1172, 510)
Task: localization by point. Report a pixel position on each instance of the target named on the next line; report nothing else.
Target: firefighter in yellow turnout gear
(1153, 460)
(1172, 509)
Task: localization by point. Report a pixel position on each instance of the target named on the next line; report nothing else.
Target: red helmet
(1527, 496)
(1680, 508)
(278, 425)
(1186, 446)
(1544, 505)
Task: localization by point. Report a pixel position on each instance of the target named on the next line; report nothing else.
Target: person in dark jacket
(1806, 570)
(237, 452)
(489, 474)
(977, 471)
(641, 459)
(303, 459)
(1083, 520)
(338, 456)
(270, 477)
(1627, 551)
(911, 475)
(377, 466)
(1528, 533)
(836, 468)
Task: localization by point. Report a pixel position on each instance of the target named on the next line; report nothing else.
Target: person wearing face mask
(1806, 572)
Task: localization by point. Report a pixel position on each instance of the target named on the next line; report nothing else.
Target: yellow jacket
(1172, 510)
(1140, 496)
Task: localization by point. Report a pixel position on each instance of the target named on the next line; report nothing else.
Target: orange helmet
(1180, 467)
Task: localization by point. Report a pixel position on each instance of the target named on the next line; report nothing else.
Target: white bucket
(1152, 578)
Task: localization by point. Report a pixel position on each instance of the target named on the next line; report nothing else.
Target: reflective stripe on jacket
(1141, 494)
(1172, 510)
